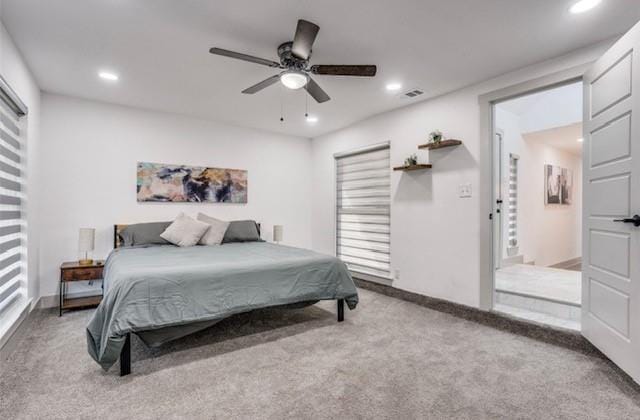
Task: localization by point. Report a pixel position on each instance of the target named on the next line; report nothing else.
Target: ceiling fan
(294, 60)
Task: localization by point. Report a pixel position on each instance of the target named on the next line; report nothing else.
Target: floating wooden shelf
(417, 167)
(442, 144)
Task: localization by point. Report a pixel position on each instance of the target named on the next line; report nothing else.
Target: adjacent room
(240, 209)
(539, 143)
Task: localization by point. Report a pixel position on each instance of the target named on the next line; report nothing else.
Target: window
(13, 283)
(363, 210)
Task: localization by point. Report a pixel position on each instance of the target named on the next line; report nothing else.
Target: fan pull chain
(281, 106)
(306, 105)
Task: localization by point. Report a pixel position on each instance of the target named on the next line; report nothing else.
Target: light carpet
(389, 359)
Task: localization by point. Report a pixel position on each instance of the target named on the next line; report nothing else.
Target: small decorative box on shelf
(440, 145)
(74, 271)
(415, 167)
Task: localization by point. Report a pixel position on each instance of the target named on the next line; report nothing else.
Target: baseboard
(35, 304)
(370, 278)
(11, 337)
(568, 263)
(51, 301)
(512, 260)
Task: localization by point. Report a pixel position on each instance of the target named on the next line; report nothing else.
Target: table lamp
(277, 233)
(86, 243)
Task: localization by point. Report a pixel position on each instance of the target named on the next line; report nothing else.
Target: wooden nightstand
(73, 271)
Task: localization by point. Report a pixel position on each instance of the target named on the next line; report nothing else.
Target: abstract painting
(558, 184)
(197, 184)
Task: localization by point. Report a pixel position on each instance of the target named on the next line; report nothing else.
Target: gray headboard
(117, 240)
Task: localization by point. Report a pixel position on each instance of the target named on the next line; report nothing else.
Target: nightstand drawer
(89, 273)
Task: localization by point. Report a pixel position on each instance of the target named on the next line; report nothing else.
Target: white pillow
(216, 230)
(184, 231)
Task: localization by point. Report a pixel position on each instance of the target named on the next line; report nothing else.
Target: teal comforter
(181, 290)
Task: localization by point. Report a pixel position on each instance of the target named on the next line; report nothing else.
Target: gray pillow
(144, 234)
(242, 231)
(216, 232)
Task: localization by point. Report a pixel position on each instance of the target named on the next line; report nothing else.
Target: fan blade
(316, 91)
(245, 57)
(306, 33)
(259, 86)
(331, 70)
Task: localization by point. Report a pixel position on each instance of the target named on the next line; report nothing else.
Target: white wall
(439, 242)
(554, 231)
(15, 72)
(88, 166)
(547, 234)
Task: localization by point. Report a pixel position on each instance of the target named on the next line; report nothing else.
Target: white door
(611, 179)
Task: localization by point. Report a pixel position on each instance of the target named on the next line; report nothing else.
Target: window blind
(512, 236)
(363, 211)
(13, 293)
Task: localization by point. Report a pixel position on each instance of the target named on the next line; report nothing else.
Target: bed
(164, 292)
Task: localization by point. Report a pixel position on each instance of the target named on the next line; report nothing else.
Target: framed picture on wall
(184, 183)
(558, 185)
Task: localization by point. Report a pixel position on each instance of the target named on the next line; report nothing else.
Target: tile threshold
(537, 317)
(540, 297)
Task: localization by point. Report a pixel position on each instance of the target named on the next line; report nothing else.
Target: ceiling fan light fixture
(109, 76)
(294, 79)
(294, 61)
(583, 6)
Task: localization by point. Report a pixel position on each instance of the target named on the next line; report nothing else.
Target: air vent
(412, 93)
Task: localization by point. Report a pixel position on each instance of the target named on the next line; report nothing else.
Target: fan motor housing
(288, 60)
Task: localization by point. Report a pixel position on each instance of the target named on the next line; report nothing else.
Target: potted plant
(411, 160)
(435, 137)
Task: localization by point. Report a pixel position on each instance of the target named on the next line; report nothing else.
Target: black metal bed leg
(125, 356)
(340, 310)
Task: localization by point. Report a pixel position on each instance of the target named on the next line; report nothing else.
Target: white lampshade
(277, 233)
(86, 240)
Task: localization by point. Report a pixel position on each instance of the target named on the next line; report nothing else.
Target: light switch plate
(464, 190)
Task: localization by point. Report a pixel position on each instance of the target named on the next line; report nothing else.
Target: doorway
(610, 302)
(538, 192)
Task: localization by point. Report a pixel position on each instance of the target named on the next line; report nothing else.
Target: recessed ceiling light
(583, 6)
(312, 119)
(106, 75)
(392, 87)
(580, 140)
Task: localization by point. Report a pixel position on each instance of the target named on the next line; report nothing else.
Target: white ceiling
(563, 138)
(563, 96)
(552, 116)
(160, 49)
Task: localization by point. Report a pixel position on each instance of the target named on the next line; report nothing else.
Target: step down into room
(539, 310)
(541, 294)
